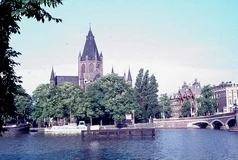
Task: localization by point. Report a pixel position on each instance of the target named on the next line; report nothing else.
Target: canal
(184, 144)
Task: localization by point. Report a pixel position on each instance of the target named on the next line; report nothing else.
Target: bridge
(218, 121)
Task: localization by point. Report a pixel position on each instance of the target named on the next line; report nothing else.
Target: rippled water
(183, 144)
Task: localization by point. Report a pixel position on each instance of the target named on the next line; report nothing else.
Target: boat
(71, 128)
(21, 128)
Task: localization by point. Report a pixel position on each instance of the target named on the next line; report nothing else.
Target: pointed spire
(90, 48)
(129, 76)
(52, 76)
(112, 71)
(90, 27)
(79, 54)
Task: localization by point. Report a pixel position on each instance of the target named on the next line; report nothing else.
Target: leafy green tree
(186, 109)
(153, 107)
(45, 100)
(164, 106)
(207, 103)
(146, 89)
(71, 101)
(110, 98)
(11, 13)
(23, 103)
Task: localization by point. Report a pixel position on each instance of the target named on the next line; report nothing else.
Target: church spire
(129, 79)
(90, 50)
(112, 71)
(52, 76)
(79, 55)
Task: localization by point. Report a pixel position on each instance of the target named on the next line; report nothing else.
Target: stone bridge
(218, 121)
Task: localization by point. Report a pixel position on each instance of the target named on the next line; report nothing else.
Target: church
(90, 66)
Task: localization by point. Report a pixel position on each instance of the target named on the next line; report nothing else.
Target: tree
(207, 103)
(146, 89)
(110, 98)
(186, 109)
(153, 107)
(71, 101)
(164, 106)
(11, 12)
(23, 103)
(45, 102)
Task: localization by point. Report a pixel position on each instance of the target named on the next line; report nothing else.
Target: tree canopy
(146, 90)
(164, 106)
(207, 102)
(110, 97)
(11, 13)
(186, 109)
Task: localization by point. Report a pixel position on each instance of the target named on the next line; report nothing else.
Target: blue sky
(176, 40)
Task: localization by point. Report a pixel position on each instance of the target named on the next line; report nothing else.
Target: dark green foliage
(207, 103)
(70, 101)
(11, 12)
(186, 109)
(146, 89)
(164, 106)
(153, 105)
(45, 99)
(110, 98)
(23, 103)
(64, 101)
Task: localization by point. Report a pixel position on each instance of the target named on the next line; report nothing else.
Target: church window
(91, 67)
(83, 68)
(98, 66)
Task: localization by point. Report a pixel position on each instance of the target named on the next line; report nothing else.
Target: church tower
(90, 63)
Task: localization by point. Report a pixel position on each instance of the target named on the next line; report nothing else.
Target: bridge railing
(199, 117)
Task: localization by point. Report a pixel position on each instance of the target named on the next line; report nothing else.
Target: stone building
(90, 66)
(226, 95)
(186, 93)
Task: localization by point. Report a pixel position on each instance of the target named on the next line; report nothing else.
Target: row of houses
(225, 93)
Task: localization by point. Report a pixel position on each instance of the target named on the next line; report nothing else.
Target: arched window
(83, 68)
(96, 77)
(98, 66)
(91, 67)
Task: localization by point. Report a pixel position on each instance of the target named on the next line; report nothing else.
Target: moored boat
(14, 129)
(71, 128)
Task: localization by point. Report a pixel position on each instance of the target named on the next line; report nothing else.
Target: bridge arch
(200, 124)
(231, 122)
(216, 124)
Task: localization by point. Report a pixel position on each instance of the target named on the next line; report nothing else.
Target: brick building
(90, 66)
(186, 93)
(226, 95)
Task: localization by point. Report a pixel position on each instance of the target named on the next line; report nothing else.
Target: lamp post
(133, 116)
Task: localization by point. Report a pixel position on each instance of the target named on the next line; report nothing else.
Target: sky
(176, 40)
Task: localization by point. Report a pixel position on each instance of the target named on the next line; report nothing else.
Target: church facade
(90, 66)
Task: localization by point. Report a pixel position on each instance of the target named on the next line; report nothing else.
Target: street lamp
(133, 116)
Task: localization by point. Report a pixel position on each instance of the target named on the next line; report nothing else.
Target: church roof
(90, 48)
(62, 79)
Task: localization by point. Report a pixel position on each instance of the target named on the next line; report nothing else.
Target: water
(184, 144)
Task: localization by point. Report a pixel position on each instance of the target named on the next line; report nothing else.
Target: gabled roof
(90, 48)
